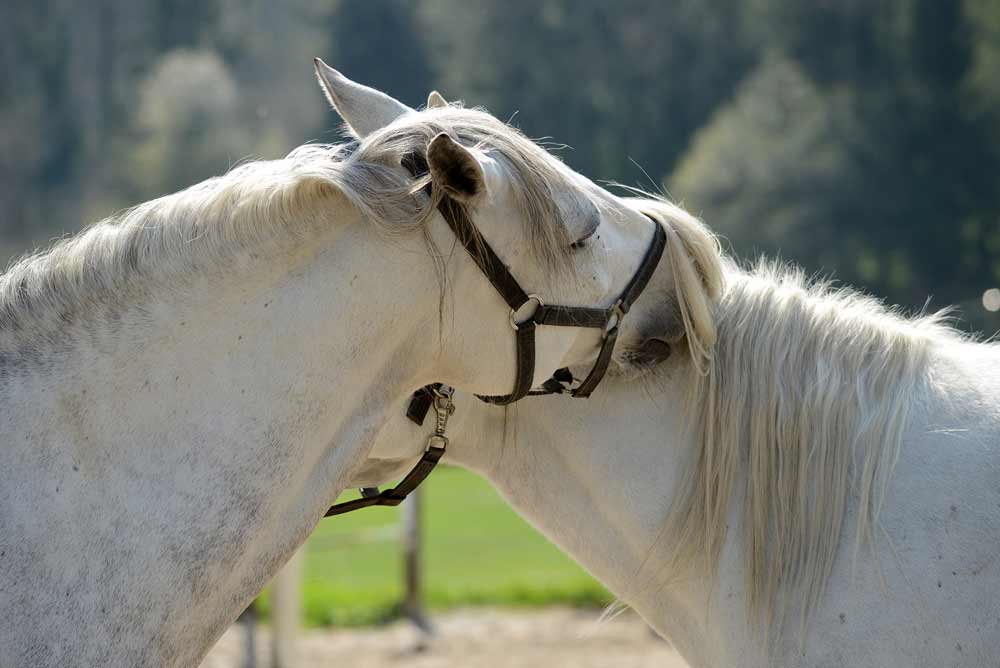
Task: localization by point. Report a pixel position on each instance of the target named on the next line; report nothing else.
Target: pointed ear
(454, 168)
(364, 109)
(436, 100)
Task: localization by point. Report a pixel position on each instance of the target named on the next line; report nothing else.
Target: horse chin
(376, 472)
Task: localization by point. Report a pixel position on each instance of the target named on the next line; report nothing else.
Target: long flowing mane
(799, 411)
(259, 207)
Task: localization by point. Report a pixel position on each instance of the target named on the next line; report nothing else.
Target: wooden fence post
(413, 601)
(286, 611)
(248, 620)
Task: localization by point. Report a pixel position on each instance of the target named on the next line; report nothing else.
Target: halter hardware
(440, 397)
(617, 314)
(514, 324)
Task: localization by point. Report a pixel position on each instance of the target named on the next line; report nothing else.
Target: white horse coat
(185, 390)
(616, 482)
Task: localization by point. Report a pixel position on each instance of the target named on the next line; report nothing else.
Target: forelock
(537, 178)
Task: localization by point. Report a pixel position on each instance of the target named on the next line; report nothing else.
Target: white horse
(810, 479)
(186, 388)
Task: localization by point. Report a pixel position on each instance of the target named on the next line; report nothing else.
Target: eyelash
(584, 242)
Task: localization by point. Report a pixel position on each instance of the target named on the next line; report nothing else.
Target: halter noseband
(608, 319)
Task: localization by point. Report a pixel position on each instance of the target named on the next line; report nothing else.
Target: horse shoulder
(936, 585)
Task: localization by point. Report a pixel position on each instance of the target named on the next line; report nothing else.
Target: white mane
(696, 270)
(805, 397)
(260, 207)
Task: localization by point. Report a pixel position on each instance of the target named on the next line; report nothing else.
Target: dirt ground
(474, 637)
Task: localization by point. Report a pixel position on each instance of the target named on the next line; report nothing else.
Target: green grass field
(476, 551)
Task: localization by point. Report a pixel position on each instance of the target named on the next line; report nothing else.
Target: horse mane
(261, 206)
(802, 404)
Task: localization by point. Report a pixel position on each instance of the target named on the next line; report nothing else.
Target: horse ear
(435, 100)
(364, 109)
(454, 168)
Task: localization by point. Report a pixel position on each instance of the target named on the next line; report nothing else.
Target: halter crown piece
(607, 319)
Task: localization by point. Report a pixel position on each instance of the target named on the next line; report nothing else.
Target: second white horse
(820, 487)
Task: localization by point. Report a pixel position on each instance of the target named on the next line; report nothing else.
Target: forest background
(857, 138)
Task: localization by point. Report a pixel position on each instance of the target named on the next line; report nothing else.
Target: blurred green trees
(187, 119)
(858, 139)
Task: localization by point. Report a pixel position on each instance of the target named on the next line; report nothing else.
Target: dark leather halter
(607, 319)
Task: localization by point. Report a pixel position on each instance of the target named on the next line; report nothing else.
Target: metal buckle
(439, 441)
(443, 409)
(531, 298)
(615, 319)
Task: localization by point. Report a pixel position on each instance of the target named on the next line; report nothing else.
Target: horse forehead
(579, 196)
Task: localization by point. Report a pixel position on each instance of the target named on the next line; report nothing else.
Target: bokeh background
(857, 138)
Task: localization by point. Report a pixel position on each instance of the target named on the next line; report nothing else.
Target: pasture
(477, 551)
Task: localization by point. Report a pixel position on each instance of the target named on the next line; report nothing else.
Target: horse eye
(583, 241)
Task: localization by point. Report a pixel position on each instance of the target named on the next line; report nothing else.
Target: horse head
(562, 239)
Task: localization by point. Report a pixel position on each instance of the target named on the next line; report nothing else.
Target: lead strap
(437, 442)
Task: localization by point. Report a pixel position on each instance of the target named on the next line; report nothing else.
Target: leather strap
(482, 254)
(597, 372)
(525, 370)
(559, 383)
(571, 316)
(395, 496)
(421, 402)
(503, 281)
(645, 272)
(632, 291)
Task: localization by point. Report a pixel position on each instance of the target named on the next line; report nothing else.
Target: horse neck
(597, 477)
(205, 434)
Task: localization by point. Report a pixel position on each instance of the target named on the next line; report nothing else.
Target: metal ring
(615, 319)
(439, 441)
(531, 298)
